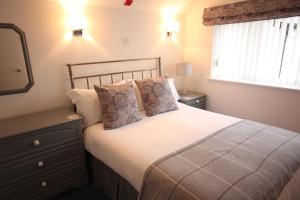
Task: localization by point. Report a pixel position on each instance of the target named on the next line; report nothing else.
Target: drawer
(200, 105)
(195, 101)
(76, 182)
(35, 142)
(43, 184)
(40, 163)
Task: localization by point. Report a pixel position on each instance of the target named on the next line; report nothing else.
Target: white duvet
(131, 149)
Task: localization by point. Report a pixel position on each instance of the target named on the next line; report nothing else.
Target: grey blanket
(247, 160)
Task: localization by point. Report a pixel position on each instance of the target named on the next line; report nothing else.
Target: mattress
(130, 150)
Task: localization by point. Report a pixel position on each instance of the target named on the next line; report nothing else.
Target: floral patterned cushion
(156, 95)
(118, 104)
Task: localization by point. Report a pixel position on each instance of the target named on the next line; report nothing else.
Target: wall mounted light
(172, 28)
(78, 32)
(76, 22)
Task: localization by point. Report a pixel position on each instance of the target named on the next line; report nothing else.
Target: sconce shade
(184, 69)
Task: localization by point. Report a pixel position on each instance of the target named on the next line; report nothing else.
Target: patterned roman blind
(251, 10)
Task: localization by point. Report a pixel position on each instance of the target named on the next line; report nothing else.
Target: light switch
(125, 42)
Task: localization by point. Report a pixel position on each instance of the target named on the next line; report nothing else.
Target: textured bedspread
(247, 160)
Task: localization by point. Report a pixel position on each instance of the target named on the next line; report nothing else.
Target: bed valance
(251, 10)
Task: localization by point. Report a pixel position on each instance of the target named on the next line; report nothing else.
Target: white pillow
(87, 105)
(173, 88)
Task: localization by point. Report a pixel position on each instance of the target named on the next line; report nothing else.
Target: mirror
(15, 68)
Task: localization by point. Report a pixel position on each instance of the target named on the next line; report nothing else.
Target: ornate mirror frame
(27, 87)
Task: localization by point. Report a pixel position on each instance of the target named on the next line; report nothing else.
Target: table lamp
(184, 70)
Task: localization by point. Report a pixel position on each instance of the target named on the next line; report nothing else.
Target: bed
(170, 156)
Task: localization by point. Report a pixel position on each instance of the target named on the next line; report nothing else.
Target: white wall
(273, 106)
(44, 25)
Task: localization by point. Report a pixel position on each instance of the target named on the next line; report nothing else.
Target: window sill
(275, 86)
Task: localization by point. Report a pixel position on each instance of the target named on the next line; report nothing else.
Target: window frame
(274, 84)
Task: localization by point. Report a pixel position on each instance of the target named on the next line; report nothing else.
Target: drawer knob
(36, 142)
(197, 101)
(44, 184)
(40, 163)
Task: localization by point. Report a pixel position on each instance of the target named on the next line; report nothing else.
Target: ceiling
(178, 6)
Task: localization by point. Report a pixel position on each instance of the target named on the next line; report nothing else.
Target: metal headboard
(87, 77)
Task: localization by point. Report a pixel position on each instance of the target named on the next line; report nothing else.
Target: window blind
(263, 51)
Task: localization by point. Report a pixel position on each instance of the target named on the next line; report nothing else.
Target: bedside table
(194, 99)
(41, 155)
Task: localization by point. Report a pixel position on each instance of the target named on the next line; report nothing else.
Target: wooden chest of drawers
(41, 155)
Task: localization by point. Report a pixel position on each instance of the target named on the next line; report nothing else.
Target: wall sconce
(78, 24)
(78, 32)
(172, 28)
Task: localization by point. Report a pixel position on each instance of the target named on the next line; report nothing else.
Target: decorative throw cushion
(137, 93)
(118, 104)
(156, 96)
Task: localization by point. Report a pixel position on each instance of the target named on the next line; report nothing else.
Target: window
(266, 52)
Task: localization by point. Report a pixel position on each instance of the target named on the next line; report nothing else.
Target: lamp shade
(184, 69)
